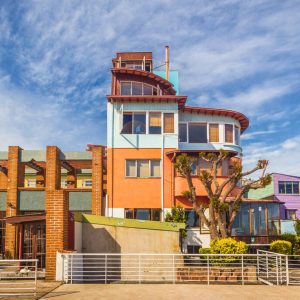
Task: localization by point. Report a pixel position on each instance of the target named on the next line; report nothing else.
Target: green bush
(296, 246)
(283, 247)
(290, 237)
(177, 215)
(297, 227)
(204, 250)
(228, 246)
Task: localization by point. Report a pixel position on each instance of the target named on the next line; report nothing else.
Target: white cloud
(283, 157)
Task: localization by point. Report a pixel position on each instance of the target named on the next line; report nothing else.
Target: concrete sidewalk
(172, 292)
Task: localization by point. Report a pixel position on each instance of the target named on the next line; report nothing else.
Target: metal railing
(18, 277)
(172, 268)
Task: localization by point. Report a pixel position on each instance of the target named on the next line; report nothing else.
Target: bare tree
(223, 205)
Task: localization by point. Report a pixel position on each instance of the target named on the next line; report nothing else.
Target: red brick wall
(57, 207)
(97, 180)
(15, 177)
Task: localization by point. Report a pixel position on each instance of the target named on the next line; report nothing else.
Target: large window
(155, 123)
(137, 122)
(288, 187)
(228, 133)
(197, 133)
(214, 133)
(134, 123)
(142, 168)
(137, 88)
(151, 214)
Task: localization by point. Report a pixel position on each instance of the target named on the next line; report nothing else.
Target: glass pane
(241, 225)
(155, 168)
(125, 88)
(156, 214)
(137, 88)
(192, 218)
(228, 133)
(281, 186)
(288, 187)
(273, 218)
(295, 187)
(147, 89)
(143, 168)
(129, 214)
(214, 133)
(127, 123)
(168, 123)
(130, 168)
(142, 214)
(197, 133)
(237, 135)
(155, 91)
(155, 123)
(139, 125)
(183, 133)
(194, 168)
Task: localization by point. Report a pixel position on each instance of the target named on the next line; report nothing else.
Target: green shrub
(177, 215)
(290, 237)
(297, 227)
(228, 246)
(283, 247)
(204, 250)
(296, 246)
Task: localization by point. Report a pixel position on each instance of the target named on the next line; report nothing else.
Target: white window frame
(84, 183)
(136, 166)
(147, 121)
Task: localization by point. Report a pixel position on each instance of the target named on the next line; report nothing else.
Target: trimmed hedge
(282, 247)
(205, 251)
(228, 246)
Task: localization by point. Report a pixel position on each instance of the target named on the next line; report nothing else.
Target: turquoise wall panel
(80, 201)
(194, 117)
(117, 140)
(173, 78)
(31, 200)
(2, 201)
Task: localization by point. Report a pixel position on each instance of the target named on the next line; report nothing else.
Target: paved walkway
(172, 292)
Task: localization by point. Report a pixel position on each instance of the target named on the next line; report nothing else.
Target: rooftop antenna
(167, 62)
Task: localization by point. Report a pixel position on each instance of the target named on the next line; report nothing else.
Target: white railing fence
(18, 277)
(172, 268)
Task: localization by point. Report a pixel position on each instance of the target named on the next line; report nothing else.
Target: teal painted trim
(138, 106)
(2, 201)
(3, 155)
(195, 117)
(38, 155)
(130, 223)
(262, 193)
(173, 78)
(31, 200)
(84, 155)
(80, 201)
(287, 226)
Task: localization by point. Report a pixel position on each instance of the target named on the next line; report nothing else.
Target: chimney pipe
(167, 62)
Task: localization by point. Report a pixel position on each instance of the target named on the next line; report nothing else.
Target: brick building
(38, 190)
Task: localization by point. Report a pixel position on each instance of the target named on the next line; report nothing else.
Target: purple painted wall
(290, 201)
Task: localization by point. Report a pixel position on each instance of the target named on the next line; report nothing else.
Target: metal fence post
(208, 270)
(287, 270)
(105, 266)
(174, 269)
(280, 268)
(71, 269)
(277, 278)
(267, 265)
(243, 270)
(257, 263)
(139, 268)
(35, 278)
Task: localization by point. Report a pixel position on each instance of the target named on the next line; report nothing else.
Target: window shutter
(155, 119)
(168, 123)
(214, 133)
(228, 133)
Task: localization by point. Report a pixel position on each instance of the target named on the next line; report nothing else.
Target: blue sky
(55, 59)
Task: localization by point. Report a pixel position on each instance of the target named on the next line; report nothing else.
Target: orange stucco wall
(137, 192)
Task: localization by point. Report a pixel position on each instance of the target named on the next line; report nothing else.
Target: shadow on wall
(100, 268)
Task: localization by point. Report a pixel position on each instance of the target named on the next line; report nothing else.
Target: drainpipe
(167, 62)
(112, 159)
(162, 178)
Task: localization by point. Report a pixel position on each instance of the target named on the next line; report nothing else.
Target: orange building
(148, 125)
